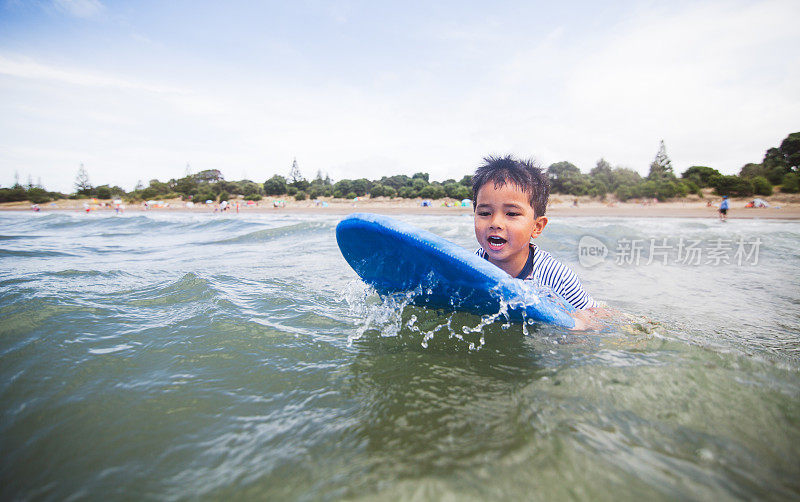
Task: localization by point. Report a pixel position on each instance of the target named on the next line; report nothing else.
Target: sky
(150, 89)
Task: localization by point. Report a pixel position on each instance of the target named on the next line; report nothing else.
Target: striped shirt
(545, 270)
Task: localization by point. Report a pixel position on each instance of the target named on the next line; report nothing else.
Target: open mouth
(496, 242)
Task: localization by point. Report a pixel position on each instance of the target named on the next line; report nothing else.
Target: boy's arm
(570, 288)
(589, 315)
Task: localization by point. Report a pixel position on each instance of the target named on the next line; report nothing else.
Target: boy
(509, 197)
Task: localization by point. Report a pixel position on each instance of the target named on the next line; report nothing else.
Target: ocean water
(237, 357)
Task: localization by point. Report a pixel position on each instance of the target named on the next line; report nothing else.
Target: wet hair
(523, 174)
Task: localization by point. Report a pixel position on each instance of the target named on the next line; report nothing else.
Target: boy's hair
(524, 174)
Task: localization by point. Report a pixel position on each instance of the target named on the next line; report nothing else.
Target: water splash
(399, 314)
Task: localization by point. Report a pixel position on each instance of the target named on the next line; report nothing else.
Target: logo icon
(591, 251)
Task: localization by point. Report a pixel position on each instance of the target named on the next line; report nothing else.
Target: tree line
(780, 167)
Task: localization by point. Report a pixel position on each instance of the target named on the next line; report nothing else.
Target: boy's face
(504, 225)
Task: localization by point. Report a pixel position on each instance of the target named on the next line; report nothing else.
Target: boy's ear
(538, 225)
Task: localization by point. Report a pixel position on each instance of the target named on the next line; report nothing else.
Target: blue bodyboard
(395, 257)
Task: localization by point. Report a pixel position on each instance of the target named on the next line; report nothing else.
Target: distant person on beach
(723, 208)
(510, 199)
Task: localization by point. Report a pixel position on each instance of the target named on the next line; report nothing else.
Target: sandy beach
(782, 206)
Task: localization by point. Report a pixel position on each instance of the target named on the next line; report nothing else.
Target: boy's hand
(591, 319)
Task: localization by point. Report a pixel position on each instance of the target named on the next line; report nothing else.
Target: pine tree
(295, 175)
(661, 167)
(82, 184)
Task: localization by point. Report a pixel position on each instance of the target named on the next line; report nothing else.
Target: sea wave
(32, 253)
(269, 234)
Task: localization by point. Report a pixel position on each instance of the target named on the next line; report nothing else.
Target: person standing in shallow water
(723, 208)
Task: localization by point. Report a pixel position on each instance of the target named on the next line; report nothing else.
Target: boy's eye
(512, 213)
(483, 213)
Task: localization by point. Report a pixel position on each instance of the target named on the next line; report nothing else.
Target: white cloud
(28, 68)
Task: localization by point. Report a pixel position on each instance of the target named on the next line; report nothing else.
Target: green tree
(565, 177)
(117, 191)
(661, 167)
(624, 193)
(432, 192)
(733, 185)
(563, 169)
(463, 193)
(397, 181)
(209, 176)
(790, 148)
(623, 176)
(148, 193)
(700, 175)
(452, 189)
(761, 186)
(103, 192)
(360, 186)
(791, 183)
(598, 188)
(319, 180)
(275, 185)
(666, 189)
(647, 189)
(421, 176)
(602, 173)
(294, 173)
(418, 184)
(342, 188)
(690, 187)
(38, 195)
(407, 192)
(300, 195)
(159, 188)
(82, 184)
(14, 194)
(296, 178)
(774, 165)
(204, 196)
(751, 170)
(248, 188)
(379, 191)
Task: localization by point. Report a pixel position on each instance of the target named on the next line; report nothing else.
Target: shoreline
(789, 210)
